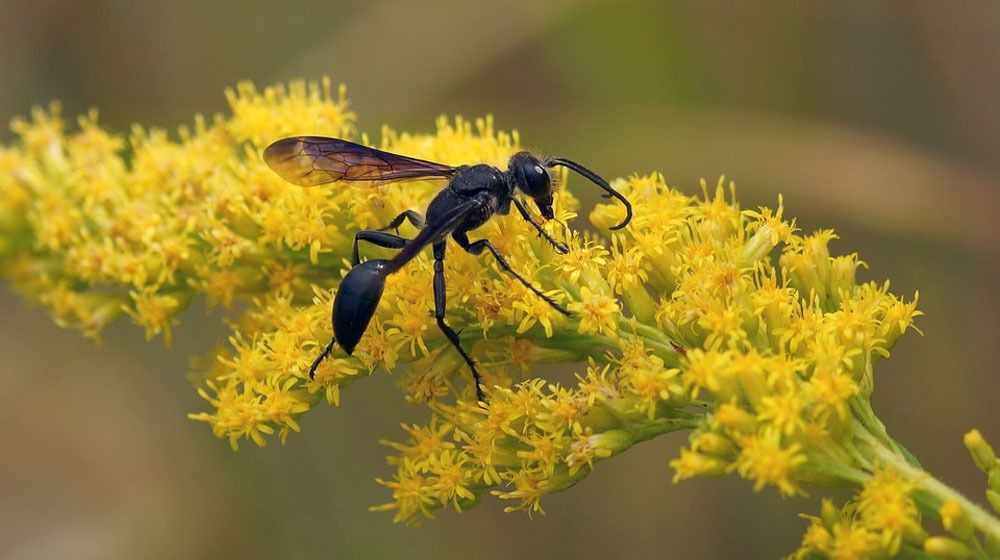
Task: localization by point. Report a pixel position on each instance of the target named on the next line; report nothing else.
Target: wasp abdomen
(356, 300)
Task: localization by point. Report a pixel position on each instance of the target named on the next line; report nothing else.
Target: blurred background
(879, 119)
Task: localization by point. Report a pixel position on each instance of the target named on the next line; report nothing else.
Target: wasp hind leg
(439, 309)
(319, 359)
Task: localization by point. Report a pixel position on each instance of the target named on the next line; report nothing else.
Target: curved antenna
(600, 182)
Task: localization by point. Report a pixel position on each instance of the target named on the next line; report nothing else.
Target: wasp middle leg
(415, 218)
(380, 238)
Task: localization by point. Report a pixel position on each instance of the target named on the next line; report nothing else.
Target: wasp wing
(316, 160)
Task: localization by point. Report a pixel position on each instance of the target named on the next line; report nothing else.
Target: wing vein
(317, 160)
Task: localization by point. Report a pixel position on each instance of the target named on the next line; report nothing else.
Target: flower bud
(913, 532)
(815, 248)
(981, 451)
(692, 463)
(612, 442)
(734, 418)
(803, 276)
(943, 547)
(993, 479)
(829, 513)
(713, 444)
(843, 272)
(993, 497)
(955, 519)
(758, 246)
(640, 303)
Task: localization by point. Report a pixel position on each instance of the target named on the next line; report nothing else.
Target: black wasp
(474, 193)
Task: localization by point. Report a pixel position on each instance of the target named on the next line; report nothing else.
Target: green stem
(837, 470)
(863, 412)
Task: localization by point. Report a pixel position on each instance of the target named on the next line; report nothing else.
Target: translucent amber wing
(316, 160)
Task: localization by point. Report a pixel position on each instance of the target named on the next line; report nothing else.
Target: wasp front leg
(559, 246)
(477, 248)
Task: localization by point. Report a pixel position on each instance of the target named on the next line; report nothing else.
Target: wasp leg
(477, 247)
(439, 309)
(559, 246)
(412, 216)
(377, 238)
(319, 359)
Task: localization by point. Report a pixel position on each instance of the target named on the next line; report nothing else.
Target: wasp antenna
(600, 182)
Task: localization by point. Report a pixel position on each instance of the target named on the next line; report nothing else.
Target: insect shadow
(473, 194)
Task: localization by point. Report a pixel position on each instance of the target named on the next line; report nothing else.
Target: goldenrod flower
(881, 519)
(764, 460)
(698, 316)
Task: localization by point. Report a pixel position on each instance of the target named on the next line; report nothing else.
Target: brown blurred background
(879, 119)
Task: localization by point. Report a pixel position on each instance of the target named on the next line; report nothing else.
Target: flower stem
(866, 415)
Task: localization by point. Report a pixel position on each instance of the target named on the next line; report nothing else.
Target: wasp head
(532, 177)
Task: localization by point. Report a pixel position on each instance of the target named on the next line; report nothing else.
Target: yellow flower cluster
(700, 315)
(685, 304)
(884, 518)
(878, 523)
(784, 352)
(95, 225)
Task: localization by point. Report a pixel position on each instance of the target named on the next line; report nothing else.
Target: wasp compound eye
(531, 176)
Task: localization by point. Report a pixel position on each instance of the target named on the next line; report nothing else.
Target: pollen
(766, 461)
(598, 312)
